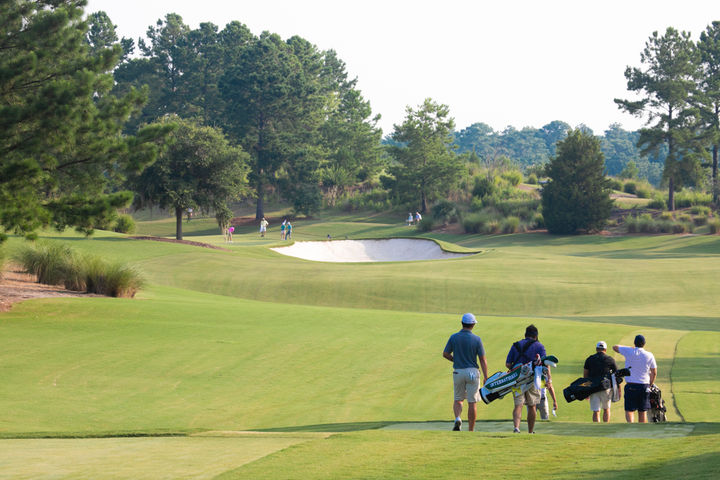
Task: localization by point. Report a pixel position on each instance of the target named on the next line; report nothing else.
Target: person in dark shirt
(599, 365)
(524, 351)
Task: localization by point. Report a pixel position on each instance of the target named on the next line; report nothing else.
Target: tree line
(199, 118)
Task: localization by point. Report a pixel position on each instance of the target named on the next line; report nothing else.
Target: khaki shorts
(600, 400)
(529, 398)
(466, 383)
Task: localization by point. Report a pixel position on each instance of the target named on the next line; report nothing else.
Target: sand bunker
(390, 250)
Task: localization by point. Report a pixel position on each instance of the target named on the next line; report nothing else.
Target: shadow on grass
(669, 322)
(331, 427)
(697, 466)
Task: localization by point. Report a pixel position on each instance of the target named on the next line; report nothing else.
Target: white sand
(390, 250)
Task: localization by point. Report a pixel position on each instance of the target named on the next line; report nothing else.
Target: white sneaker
(457, 426)
(516, 430)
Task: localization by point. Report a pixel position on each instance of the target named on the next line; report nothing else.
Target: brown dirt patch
(184, 242)
(16, 286)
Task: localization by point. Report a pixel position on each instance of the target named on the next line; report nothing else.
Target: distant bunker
(353, 251)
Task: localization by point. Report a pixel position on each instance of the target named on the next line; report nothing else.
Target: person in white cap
(599, 365)
(465, 350)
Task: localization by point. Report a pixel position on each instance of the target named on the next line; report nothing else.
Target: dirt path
(16, 286)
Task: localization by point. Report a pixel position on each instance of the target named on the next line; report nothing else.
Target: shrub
(510, 225)
(476, 204)
(125, 224)
(630, 187)
(714, 225)
(643, 192)
(426, 224)
(532, 179)
(688, 198)
(474, 223)
(616, 184)
(484, 186)
(700, 220)
(513, 177)
(632, 224)
(666, 216)
(444, 211)
(538, 221)
(492, 227)
(121, 281)
(658, 202)
(700, 210)
(48, 261)
(685, 218)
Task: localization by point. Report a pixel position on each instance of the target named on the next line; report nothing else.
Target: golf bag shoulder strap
(524, 347)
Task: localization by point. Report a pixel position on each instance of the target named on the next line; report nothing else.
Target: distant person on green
(282, 229)
(288, 231)
(465, 350)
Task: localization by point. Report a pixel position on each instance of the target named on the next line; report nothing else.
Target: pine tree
(577, 196)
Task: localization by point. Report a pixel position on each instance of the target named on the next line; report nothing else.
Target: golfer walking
(599, 365)
(643, 370)
(521, 352)
(465, 350)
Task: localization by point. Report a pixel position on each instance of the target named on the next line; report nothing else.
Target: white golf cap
(469, 319)
(601, 344)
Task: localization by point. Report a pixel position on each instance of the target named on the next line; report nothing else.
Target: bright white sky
(520, 63)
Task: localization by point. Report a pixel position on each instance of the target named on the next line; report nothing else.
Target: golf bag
(520, 378)
(657, 405)
(582, 388)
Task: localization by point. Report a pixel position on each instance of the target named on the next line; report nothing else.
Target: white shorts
(466, 383)
(600, 400)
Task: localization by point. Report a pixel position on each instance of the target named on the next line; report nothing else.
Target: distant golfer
(283, 225)
(465, 350)
(288, 231)
(521, 352)
(599, 365)
(263, 226)
(418, 217)
(230, 231)
(643, 370)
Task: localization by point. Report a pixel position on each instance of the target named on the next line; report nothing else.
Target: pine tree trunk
(424, 206)
(715, 174)
(671, 195)
(178, 223)
(260, 206)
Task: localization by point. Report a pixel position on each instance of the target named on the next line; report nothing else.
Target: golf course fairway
(245, 363)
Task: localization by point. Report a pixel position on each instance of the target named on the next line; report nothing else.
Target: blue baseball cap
(469, 319)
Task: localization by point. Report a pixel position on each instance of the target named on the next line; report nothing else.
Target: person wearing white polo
(465, 349)
(643, 371)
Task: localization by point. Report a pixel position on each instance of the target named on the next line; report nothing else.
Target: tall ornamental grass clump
(48, 261)
(714, 225)
(688, 198)
(56, 264)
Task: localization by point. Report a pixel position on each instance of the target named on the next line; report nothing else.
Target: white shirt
(640, 361)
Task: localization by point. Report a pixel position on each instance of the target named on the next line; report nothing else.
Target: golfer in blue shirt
(465, 350)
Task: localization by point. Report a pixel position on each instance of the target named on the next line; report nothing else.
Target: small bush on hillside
(700, 210)
(658, 203)
(426, 224)
(125, 224)
(513, 177)
(688, 198)
(538, 221)
(700, 220)
(510, 225)
(714, 225)
(484, 186)
(476, 204)
(685, 218)
(666, 216)
(616, 184)
(643, 191)
(474, 223)
(445, 211)
(630, 187)
(532, 179)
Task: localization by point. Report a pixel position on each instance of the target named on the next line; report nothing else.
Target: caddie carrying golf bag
(582, 388)
(657, 405)
(521, 377)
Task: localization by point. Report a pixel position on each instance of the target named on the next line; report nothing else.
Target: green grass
(248, 339)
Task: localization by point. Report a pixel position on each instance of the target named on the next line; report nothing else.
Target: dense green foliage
(425, 166)
(60, 143)
(577, 196)
(198, 170)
